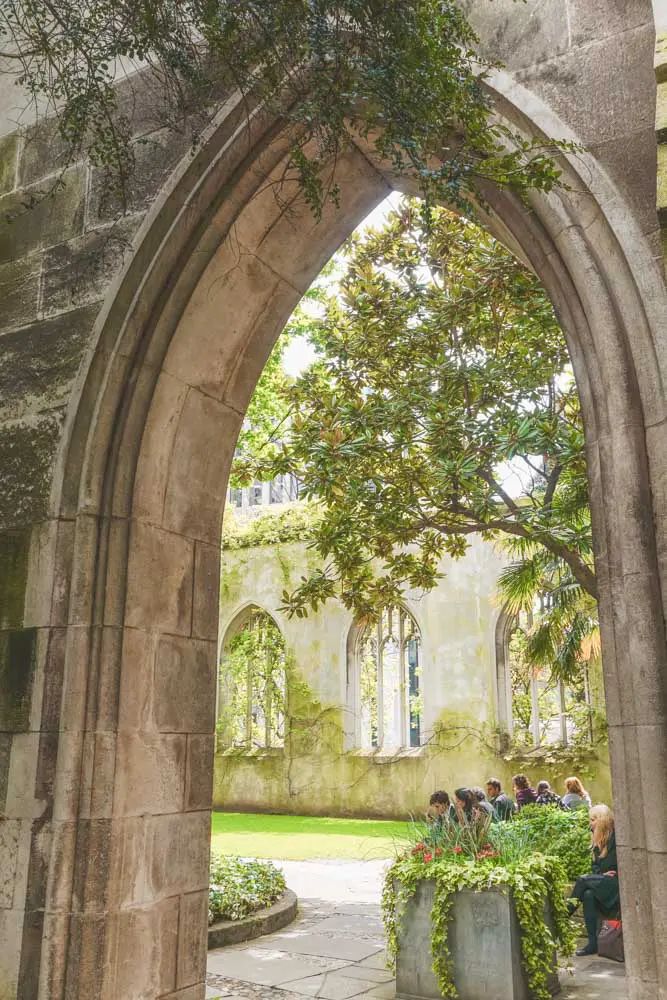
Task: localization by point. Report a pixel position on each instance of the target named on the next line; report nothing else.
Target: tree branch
(505, 497)
(552, 483)
(582, 573)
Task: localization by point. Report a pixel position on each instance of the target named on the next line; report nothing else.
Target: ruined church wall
(321, 772)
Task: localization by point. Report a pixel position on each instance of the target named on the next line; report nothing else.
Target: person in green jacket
(598, 891)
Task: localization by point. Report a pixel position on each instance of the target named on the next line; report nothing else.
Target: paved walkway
(335, 948)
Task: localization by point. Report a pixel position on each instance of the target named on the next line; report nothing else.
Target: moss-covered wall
(319, 771)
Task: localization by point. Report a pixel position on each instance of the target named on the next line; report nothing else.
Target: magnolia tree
(441, 405)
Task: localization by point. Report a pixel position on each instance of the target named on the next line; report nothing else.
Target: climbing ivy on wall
(404, 76)
(295, 523)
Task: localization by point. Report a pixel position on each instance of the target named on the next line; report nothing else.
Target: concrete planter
(485, 945)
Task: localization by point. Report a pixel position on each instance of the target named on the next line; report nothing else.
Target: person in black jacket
(598, 891)
(484, 807)
(503, 806)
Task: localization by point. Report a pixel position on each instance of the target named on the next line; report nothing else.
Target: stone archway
(116, 878)
(183, 365)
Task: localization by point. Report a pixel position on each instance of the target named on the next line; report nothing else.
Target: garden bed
(273, 918)
(246, 898)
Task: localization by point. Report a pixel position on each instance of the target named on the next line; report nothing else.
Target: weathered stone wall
(457, 622)
(57, 260)
(117, 389)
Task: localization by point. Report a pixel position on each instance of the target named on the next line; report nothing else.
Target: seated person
(547, 797)
(469, 810)
(464, 804)
(483, 806)
(576, 795)
(503, 807)
(524, 792)
(440, 810)
(598, 891)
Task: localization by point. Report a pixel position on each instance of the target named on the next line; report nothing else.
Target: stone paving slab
(604, 967)
(360, 971)
(353, 925)
(268, 967)
(331, 986)
(339, 882)
(383, 991)
(378, 961)
(593, 979)
(319, 944)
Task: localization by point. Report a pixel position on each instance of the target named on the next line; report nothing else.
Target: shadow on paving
(335, 947)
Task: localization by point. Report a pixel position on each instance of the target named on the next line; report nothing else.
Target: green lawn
(301, 837)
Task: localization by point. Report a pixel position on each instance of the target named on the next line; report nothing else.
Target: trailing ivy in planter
(536, 883)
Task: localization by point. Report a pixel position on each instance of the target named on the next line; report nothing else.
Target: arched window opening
(544, 710)
(388, 669)
(253, 685)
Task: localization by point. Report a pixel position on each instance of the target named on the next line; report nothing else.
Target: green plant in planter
(534, 881)
(468, 839)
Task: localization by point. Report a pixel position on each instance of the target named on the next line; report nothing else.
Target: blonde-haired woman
(576, 795)
(599, 890)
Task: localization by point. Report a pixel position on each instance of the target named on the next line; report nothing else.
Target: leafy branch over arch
(405, 76)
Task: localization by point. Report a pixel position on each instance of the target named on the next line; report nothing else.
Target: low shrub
(544, 830)
(238, 888)
(562, 833)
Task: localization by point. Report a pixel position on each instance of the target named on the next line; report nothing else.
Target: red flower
(438, 852)
(428, 857)
(457, 849)
(419, 846)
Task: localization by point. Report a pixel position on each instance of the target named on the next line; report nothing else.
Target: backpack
(610, 940)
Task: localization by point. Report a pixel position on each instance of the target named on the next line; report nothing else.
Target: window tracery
(253, 684)
(386, 682)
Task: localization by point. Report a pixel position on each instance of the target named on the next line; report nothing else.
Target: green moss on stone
(27, 451)
(14, 548)
(17, 672)
(8, 148)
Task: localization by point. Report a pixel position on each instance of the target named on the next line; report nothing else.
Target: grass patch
(298, 838)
